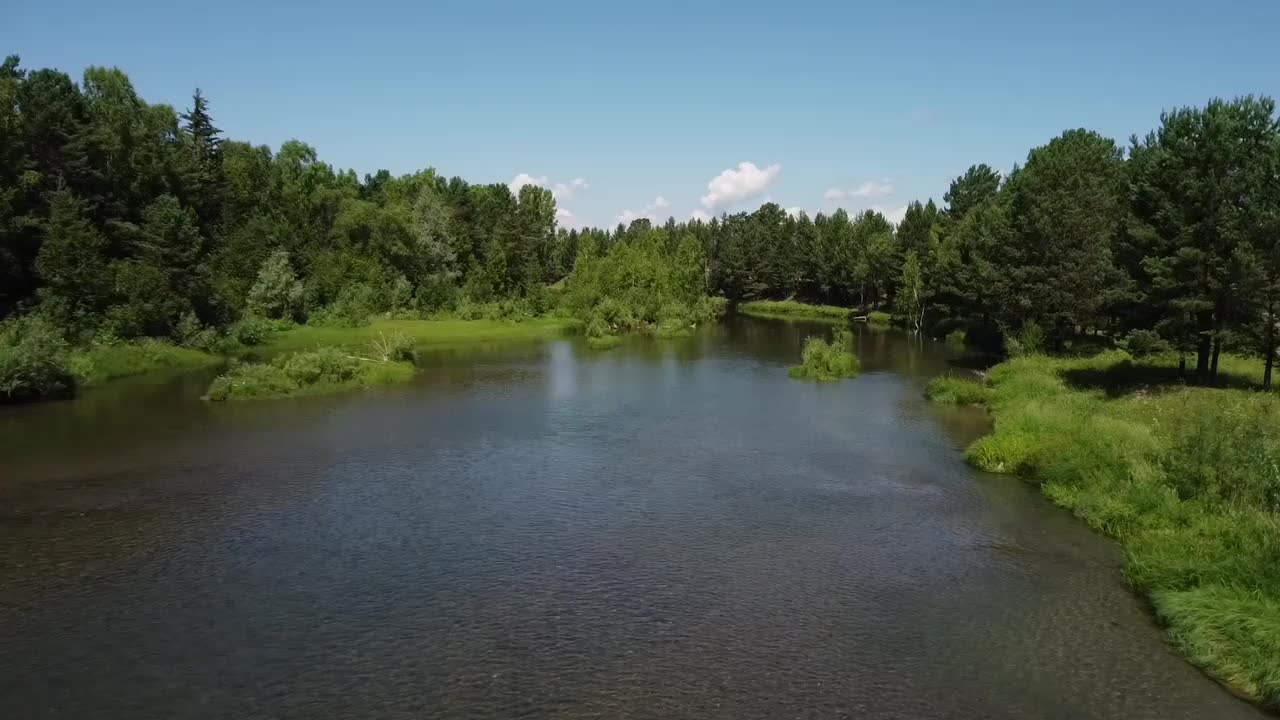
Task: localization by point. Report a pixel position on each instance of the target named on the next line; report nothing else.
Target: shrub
(675, 320)
(32, 361)
(250, 330)
(276, 293)
(1144, 343)
(956, 339)
(823, 361)
(879, 319)
(315, 371)
(1027, 340)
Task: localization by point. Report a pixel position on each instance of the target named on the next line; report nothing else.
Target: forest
(124, 222)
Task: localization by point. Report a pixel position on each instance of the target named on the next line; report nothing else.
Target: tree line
(126, 219)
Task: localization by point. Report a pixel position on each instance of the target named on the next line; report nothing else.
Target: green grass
(957, 391)
(424, 333)
(314, 372)
(603, 342)
(1186, 479)
(97, 364)
(823, 361)
(879, 319)
(791, 308)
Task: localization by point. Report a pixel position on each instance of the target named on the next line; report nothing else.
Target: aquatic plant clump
(307, 373)
(792, 308)
(823, 361)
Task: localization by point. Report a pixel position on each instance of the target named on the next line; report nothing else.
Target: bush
(33, 357)
(675, 320)
(879, 319)
(251, 330)
(1144, 343)
(956, 339)
(352, 308)
(1027, 340)
(276, 293)
(823, 361)
(305, 373)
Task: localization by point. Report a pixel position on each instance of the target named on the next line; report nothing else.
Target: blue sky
(834, 104)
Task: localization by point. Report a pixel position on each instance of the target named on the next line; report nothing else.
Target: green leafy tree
(277, 293)
(1066, 206)
(71, 262)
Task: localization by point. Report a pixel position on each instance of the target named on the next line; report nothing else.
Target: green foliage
(879, 319)
(824, 361)
(322, 370)
(957, 338)
(1186, 479)
(1144, 343)
(1029, 339)
(32, 361)
(107, 360)
(423, 333)
(791, 308)
(957, 391)
(277, 293)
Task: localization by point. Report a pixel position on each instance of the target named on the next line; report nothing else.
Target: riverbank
(1186, 479)
(98, 364)
(793, 309)
(424, 333)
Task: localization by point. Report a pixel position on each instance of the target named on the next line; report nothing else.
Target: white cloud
(559, 190)
(566, 218)
(700, 215)
(523, 179)
(794, 211)
(564, 191)
(732, 186)
(893, 215)
(648, 211)
(868, 189)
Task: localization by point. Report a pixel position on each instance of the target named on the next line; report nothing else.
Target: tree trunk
(1217, 350)
(1182, 366)
(1204, 347)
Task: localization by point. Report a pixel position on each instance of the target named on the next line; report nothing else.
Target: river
(672, 529)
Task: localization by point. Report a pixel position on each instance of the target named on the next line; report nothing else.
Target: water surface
(666, 530)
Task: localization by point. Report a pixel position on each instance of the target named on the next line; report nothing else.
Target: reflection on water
(669, 529)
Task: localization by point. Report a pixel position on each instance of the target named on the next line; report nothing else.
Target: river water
(666, 530)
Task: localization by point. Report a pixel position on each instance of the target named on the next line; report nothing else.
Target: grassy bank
(423, 333)
(791, 308)
(97, 364)
(314, 372)
(1186, 479)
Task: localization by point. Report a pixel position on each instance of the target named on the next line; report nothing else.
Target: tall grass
(792, 308)
(101, 362)
(1186, 479)
(823, 361)
(313, 372)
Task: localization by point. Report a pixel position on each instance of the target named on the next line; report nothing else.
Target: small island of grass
(314, 372)
(823, 361)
